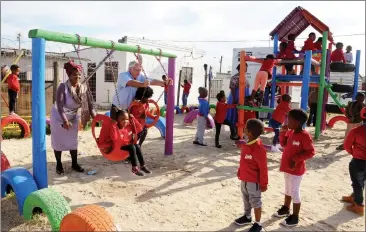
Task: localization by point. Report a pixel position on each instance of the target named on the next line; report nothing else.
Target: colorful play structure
(302, 19)
(31, 190)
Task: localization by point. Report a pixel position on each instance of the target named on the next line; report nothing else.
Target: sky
(180, 20)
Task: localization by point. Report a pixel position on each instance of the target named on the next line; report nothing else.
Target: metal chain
(77, 50)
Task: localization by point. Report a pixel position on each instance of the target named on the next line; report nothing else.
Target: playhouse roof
(296, 22)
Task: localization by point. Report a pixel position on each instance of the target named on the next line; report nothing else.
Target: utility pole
(18, 38)
(220, 63)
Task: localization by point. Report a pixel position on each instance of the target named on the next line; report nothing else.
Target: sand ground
(196, 189)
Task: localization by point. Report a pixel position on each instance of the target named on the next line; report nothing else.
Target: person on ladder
(129, 81)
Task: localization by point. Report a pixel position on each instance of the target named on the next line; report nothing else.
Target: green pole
(93, 42)
(321, 85)
(262, 109)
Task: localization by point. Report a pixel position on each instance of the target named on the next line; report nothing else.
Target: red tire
(335, 119)
(185, 109)
(16, 119)
(4, 162)
(88, 218)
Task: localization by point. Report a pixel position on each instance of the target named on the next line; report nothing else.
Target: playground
(195, 189)
(191, 188)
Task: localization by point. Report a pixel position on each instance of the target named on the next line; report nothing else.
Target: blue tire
(160, 125)
(22, 183)
(177, 110)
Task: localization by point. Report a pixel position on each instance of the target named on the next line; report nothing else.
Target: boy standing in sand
(298, 147)
(253, 173)
(355, 144)
(203, 110)
(13, 87)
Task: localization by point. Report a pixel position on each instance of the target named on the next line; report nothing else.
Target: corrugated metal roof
(296, 22)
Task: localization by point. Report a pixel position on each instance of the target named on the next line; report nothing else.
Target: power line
(243, 41)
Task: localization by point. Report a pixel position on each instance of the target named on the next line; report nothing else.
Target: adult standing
(71, 97)
(233, 98)
(186, 88)
(129, 81)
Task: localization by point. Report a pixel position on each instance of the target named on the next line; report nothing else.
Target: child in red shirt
(220, 117)
(337, 55)
(286, 54)
(318, 44)
(253, 173)
(355, 144)
(309, 45)
(186, 87)
(13, 87)
(298, 147)
(263, 75)
(143, 94)
(278, 118)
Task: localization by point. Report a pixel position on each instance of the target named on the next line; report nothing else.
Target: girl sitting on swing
(127, 127)
(143, 95)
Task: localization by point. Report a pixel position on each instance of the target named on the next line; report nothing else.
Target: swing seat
(138, 104)
(116, 154)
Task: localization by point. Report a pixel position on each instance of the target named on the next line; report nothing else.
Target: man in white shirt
(348, 55)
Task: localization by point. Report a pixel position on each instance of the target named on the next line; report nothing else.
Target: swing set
(39, 38)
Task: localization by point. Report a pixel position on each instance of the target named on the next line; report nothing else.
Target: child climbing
(263, 75)
(128, 127)
(253, 174)
(143, 94)
(313, 105)
(355, 144)
(221, 110)
(353, 113)
(298, 147)
(13, 87)
(278, 118)
(337, 55)
(202, 117)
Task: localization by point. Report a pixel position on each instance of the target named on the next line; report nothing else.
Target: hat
(363, 113)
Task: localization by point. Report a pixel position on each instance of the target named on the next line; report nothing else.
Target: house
(102, 85)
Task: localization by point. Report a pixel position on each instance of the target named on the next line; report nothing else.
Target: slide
(334, 96)
(160, 125)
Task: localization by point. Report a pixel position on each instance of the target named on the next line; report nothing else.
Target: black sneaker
(255, 228)
(243, 220)
(291, 221)
(137, 172)
(218, 145)
(195, 142)
(283, 212)
(145, 169)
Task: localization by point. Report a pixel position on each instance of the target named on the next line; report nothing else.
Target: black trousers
(135, 154)
(312, 115)
(142, 135)
(357, 171)
(12, 100)
(289, 68)
(218, 130)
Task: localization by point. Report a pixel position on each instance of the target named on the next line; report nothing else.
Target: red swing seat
(107, 124)
(138, 104)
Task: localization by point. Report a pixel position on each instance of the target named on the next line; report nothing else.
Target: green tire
(162, 111)
(52, 204)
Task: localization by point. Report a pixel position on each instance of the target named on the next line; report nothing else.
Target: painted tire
(193, 108)
(337, 88)
(157, 116)
(16, 119)
(22, 183)
(160, 125)
(162, 111)
(341, 67)
(191, 116)
(52, 204)
(88, 218)
(212, 106)
(184, 109)
(4, 162)
(335, 119)
(177, 110)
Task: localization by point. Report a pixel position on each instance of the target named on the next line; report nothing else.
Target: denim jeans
(165, 98)
(357, 172)
(276, 128)
(185, 98)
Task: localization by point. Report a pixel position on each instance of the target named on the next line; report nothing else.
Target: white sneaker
(275, 149)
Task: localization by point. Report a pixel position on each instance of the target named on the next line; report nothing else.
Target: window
(187, 74)
(246, 53)
(23, 76)
(110, 71)
(216, 87)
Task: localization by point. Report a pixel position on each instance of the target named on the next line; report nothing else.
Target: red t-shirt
(337, 56)
(248, 114)
(166, 88)
(127, 132)
(140, 113)
(318, 45)
(13, 82)
(308, 45)
(186, 88)
(287, 54)
(267, 65)
(281, 111)
(298, 147)
(291, 45)
(221, 110)
(253, 163)
(355, 142)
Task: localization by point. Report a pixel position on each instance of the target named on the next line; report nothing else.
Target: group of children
(13, 85)
(130, 127)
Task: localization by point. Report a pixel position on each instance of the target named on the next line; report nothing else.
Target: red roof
(296, 22)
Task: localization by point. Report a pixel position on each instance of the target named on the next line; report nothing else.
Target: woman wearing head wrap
(71, 96)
